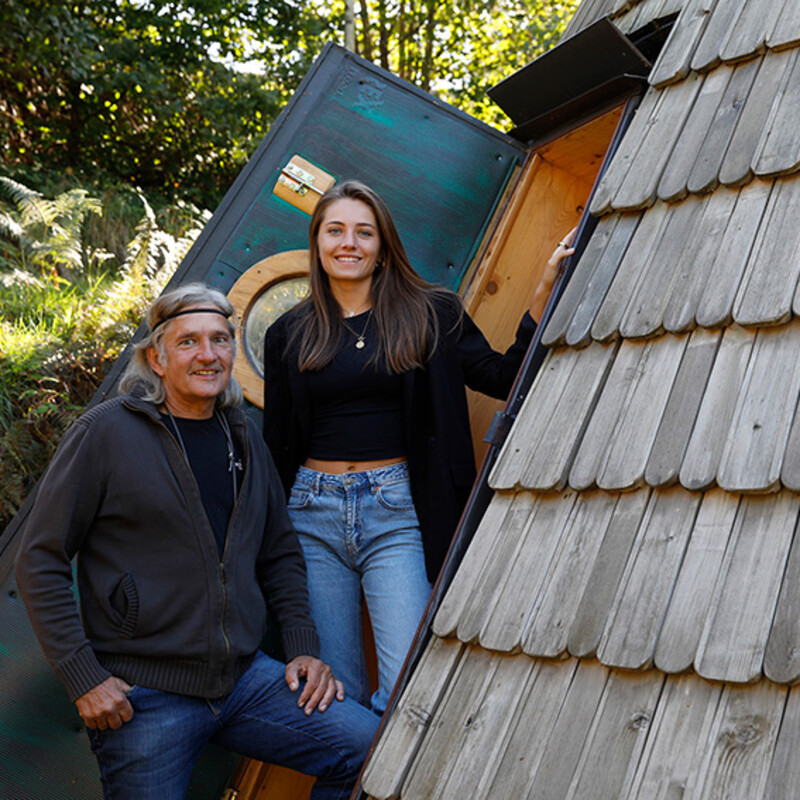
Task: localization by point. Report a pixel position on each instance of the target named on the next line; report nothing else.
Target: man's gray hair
(139, 375)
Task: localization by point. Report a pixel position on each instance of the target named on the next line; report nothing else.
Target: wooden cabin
(600, 626)
(625, 623)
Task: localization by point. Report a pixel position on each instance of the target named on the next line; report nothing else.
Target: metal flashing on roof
(575, 79)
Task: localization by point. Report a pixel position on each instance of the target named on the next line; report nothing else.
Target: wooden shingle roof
(626, 622)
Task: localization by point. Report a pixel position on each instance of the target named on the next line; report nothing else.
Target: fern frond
(17, 193)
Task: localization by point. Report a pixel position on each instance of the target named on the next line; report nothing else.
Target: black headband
(190, 311)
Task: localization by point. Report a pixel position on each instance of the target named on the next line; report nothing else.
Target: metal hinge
(230, 794)
(499, 428)
(299, 180)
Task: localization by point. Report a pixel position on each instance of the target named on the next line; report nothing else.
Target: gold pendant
(360, 344)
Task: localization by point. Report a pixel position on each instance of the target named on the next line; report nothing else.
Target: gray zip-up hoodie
(158, 607)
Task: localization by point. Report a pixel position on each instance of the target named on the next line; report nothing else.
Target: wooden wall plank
(638, 189)
(581, 152)
(552, 453)
(565, 743)
(511, 543)
(639, 608)
(579, 331)
(539, 450)
(673, 185)
(704, 451)
(549, 621)
(555, 333)
(683, 625)
(540, 703)
(627, 152)
(601, 588)
(790, 471)
(457, 595)
(669, 446)
(644, 314)
(778, 152)
(397, 747)
(704, 176)
(596, 441)
(715, 34)
(630, 21)
(674, 61)
(485, 732)
(782, 660)
(738, 624)
(741, 745)
(618, 737)
(469, 683)
(770, 280)
(679, 732)
(483, 592)
(716, 303)
(753, 455)
(501, 614)
(589, 11)
(786, 32)
(784, 772)
(632, 441)
(697, 258)
(748, 36)
(645, 242)
(736, 169)
(534, 420)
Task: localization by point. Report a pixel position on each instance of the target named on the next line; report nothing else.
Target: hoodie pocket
(125, 604)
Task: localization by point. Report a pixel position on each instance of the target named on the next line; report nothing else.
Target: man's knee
(358, 726)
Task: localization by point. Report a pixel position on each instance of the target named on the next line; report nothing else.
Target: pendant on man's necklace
(360, 344)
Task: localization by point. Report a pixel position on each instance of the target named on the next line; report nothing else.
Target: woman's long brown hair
(404, 315)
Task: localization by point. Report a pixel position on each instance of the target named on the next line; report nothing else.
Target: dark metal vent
(580, 77)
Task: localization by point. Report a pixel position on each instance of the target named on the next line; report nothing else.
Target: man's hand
(321, 687)
(106, 705)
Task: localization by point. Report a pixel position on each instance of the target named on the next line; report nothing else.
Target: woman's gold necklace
(360, 344)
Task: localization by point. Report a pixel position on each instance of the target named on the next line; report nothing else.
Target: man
(176, 515)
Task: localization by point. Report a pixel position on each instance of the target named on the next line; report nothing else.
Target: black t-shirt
(206, 448)
(356, 406)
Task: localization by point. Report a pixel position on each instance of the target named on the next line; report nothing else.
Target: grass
(61, 328)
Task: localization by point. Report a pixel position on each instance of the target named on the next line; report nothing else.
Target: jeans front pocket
(300, 496)
(395, 495)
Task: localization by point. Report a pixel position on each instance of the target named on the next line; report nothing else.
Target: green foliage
(144, 91)
(131, 90)
(58, 337)
(456, 49)
(46, 235)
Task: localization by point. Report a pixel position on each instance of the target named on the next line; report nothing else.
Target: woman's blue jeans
(359, 532)
(152, 756)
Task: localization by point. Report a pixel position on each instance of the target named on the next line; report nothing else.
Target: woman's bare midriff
(340, 467)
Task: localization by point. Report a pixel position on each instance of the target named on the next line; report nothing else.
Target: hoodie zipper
(221, 562)
(223, 576)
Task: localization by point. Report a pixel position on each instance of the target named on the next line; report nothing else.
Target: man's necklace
(360, 344)
(233, 463)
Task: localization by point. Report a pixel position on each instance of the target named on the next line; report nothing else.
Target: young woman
(365, 413)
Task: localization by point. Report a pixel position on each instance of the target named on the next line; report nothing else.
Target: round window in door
(259, 297)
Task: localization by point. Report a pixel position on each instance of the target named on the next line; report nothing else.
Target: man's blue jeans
(152, 756)
(359, 531)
